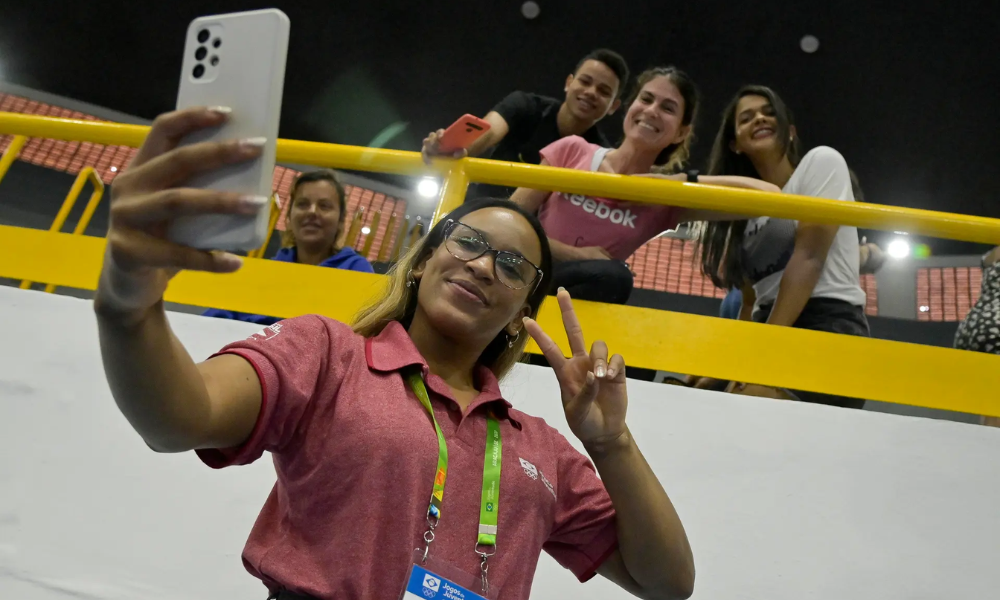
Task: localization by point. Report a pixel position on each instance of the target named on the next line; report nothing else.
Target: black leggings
(833, 316)
(607, 281)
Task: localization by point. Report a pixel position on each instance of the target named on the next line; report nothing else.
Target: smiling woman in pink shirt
(592, 237)
(398, 461)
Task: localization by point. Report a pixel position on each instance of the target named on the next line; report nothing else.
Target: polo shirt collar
(393, 350)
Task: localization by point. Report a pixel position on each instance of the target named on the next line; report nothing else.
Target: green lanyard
(491, 471)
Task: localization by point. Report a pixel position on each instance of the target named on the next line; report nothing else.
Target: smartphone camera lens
(199, 70)
(201, 53)
(203, 36)
(215, 61)
(216, 42)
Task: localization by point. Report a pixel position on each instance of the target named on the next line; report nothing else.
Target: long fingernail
(222, 110)
(254, 142)
(229, 262)
(253, 203)
(600, 371)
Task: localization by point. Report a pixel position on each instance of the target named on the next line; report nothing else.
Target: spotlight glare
(428, 187)
(899, 248)
(366, 230)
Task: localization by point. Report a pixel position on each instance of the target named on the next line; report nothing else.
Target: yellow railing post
(386, 247)
(86, 174)
(456, 185)
(11, 153)
(272, 222)
(370, 237)
(397, 246)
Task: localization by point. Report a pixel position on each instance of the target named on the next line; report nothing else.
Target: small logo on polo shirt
(534, 472)
(431, 586)
(529, 469)
(547, 484)
(266, 333)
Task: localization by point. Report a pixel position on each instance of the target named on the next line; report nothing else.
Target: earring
(510, 342)
(410, 279)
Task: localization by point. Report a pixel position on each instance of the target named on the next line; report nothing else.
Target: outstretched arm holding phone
(173, 403)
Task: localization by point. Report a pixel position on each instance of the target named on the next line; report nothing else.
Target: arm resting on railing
(531, 200)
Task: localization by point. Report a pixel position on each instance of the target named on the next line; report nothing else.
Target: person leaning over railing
(316, 214)
(792, 273)
(591, 237)
(523, 123)
(979, 331)
(366, 423)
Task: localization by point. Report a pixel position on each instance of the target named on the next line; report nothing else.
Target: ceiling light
(924, 308)
(366, 230)
(428, 187)
(899, 248)
(809, 44)
(530, 9)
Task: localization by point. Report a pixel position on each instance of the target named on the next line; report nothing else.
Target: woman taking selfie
(792, 273)
(366, 422)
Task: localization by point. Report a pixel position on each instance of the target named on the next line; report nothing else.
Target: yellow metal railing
(779, 356)
(11, 153)
(86, 174)
(638, 189)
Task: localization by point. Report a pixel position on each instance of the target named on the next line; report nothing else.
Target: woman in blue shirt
(315, 219)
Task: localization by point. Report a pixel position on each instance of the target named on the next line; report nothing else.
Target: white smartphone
(235, 60)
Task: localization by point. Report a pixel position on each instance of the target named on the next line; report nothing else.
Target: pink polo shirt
(355, 455)
(617, 226)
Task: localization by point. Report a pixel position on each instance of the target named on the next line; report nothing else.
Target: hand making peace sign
(593, 388)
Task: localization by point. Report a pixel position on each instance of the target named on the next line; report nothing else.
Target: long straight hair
(398, 302)
(722, 241)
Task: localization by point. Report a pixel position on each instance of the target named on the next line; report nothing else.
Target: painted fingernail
(590, 377)
(600, 371)
(254, 142)
(222, 110)
(253, 203)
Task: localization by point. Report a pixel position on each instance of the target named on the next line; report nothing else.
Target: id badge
(437, 580)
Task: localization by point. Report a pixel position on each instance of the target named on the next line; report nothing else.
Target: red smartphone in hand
(462, 134)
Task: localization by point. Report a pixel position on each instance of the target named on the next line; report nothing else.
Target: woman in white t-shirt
(792, 273)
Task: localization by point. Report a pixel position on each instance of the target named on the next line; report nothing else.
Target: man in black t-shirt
(523, 123)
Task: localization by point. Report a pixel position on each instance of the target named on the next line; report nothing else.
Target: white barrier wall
(781, 501)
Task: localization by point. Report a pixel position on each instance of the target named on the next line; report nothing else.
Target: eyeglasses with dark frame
(510, 268)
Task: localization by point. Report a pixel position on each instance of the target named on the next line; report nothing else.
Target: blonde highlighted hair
(398, 301)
